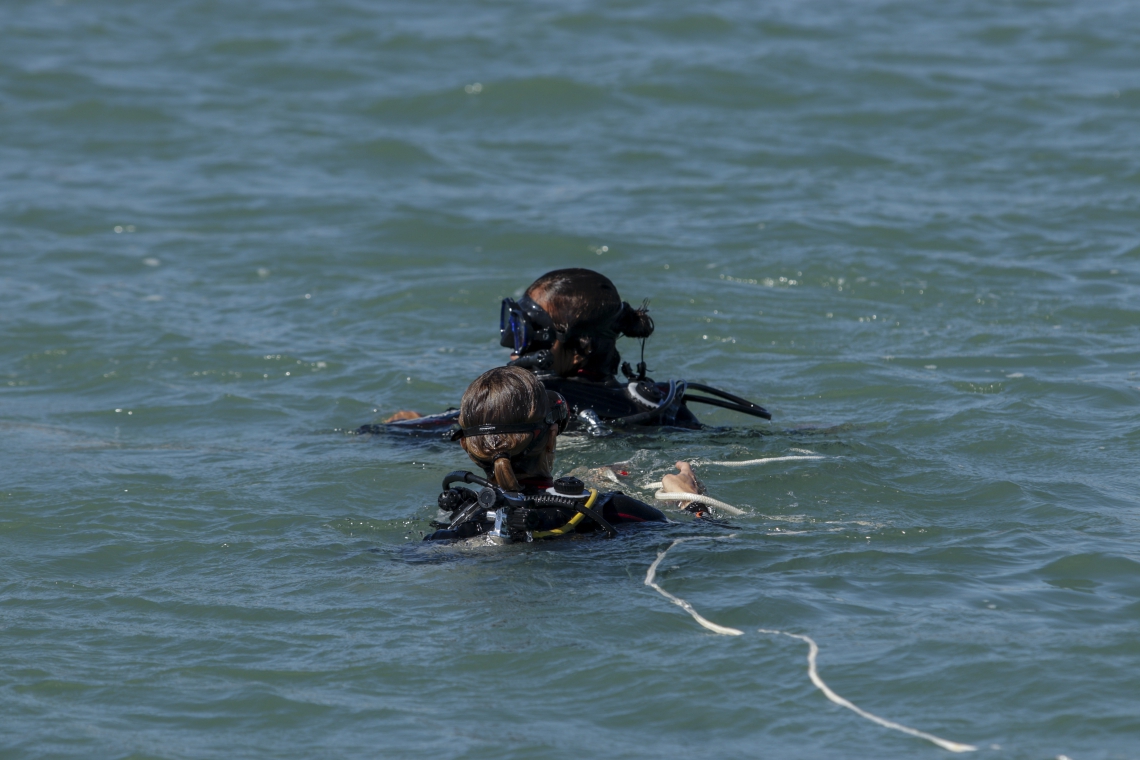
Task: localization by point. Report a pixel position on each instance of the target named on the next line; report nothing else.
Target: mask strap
(478, 430)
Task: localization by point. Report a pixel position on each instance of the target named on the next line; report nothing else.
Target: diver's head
(511, 398)
(586, 317)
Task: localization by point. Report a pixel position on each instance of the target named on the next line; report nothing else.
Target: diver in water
(565, 329)
(509, 425)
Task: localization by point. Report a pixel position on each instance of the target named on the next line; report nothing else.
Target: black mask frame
(525, 326)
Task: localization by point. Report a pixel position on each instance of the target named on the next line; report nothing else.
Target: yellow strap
(570, 526)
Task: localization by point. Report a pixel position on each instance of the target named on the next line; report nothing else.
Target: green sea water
(230, 233)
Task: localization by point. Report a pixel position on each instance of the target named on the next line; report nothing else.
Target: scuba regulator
(517, 517)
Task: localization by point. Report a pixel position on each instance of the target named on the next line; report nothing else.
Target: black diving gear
(600, 402)
(597, 402)
(597, 407)
(643, 401)
(727, 401)
(536, 362)
(565, 508)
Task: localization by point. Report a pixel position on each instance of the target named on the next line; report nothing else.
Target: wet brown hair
(586, 307)
(504, 396)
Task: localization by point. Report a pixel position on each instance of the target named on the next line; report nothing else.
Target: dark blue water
(230, 234)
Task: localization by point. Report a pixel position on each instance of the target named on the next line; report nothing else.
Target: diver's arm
(374, 429)
(619, 508)
(683, 482)
(410, 422)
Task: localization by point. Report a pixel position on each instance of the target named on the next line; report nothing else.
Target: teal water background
(232, 232)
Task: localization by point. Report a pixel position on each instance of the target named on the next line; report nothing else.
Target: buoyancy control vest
(566, 508)
(613, 403)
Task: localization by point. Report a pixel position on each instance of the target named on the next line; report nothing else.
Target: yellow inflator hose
(570, 526)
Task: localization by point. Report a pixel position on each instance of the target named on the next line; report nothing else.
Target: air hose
(652, 414)
(584, 511)
(733, 402)
(679, 390)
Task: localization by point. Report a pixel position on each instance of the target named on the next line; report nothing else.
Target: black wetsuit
(615, 507)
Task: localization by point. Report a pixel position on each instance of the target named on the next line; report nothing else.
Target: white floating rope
(700, 498)
(813, 651)
(764, 460)
(651, 574)
(813, 674)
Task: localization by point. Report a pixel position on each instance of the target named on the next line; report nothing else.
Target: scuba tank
(510, 516)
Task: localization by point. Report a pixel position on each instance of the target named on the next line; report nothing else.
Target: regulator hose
(680, 388)
(464, 476)
(652, 414)
(584, 511)
(735, 403)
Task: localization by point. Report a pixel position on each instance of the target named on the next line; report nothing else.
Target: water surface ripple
(231, 233)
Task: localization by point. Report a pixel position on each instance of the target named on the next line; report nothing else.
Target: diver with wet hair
(509, 425)
(565, 329)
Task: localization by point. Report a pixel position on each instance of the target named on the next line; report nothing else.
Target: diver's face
(566, 360)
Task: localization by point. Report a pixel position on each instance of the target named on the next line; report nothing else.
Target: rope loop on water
(813, 652)
(700, 498)
(662, 495)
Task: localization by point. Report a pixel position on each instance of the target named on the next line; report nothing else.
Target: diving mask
(525, 326)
